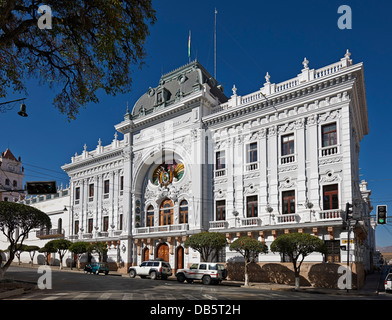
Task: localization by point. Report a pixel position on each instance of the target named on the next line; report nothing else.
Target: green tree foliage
(92, 45)
(32, 250)
(207, 244)
(47, 249)
(61, 246)
(250, 249)
(79, 248)
(297, 246)
(101, 248)
(16, 221)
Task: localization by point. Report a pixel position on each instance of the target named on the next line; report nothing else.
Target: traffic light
(382, 214)
(41, 187)
(349, 213)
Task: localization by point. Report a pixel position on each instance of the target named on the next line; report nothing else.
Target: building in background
(11, 177)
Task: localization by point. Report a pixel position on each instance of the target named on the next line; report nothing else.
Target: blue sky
(253, 37)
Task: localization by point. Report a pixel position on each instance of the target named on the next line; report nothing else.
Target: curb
(11, 293)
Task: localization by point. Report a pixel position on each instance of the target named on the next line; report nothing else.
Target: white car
(207, 272)
(155, 269)
(388, 282)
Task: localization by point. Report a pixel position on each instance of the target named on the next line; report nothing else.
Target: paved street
(73, 285)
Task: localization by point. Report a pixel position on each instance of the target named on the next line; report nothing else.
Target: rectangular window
(252, 152)
(91, 190)
(333, 250)
(220, 160)
(288, 144)
(120, 227)
(220, 210)
(330, 197)
(121, 183)
(251, 207)
(329, 135)
(106, 186)
(76, 228)
(288, 201)
(105, 224)
(90, 225)
(77, 193)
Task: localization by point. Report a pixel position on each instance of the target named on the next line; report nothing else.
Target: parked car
(207, 272)
(388, 282)
(96, 268)
(155, 269)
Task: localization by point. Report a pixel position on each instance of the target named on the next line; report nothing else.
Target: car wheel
(132, 273)
(153, 275)
(206, 280)
(180, 278)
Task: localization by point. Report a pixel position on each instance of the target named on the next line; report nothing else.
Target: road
(66, 285)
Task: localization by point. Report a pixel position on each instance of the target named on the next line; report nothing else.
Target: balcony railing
(329, 151)
(251, 166)
(48, 234)
(330, 214)
(287, 159)
(288, 218)
(167, 228)
(220, 224)
(220, 173)
(248, 222)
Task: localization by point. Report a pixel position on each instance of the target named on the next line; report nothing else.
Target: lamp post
(22, 110)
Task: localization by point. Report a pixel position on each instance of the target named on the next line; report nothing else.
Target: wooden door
(146, 255)
(180, 258)
(163, 252)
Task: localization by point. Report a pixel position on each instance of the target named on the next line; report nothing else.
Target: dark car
(96, 268)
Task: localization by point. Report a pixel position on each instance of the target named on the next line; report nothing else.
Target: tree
(16, 221)
(207, 244)
(249, 248)
(79, 248)
(296, 245)
(91, 45)
(47, 249)
(19, 250)
(32, 250)
(61, 246)
(100, 248)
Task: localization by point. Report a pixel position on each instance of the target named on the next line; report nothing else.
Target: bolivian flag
(189, 45)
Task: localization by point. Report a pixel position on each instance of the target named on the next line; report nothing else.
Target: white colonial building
(189, 158)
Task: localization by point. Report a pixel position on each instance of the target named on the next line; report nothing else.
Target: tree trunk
(296, 274)
(246, 284)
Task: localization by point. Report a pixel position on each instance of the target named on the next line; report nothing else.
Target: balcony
(250, 222)
(50, 234)
(329, 151)
(330, 214)
(251, 166)
(220, 224)
(288, 218)
(167, 228)
(287, 159)
(220, 173)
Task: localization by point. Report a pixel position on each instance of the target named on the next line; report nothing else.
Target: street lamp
(22, 110)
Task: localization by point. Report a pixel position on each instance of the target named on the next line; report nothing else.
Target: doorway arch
(146, 254)
(163, 251)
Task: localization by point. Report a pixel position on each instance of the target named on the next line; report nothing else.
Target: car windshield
(389, 277)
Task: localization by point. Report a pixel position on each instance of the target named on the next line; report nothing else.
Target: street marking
(190, 297)
(170, 296)
(80, 296)
(209, 297)
(127, 296)
(104, 296)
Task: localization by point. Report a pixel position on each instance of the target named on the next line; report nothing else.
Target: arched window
(14, 183)
(150, 216)
(166, 213)
(184, 211)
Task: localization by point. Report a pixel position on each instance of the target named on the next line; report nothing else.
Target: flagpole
(215, 46)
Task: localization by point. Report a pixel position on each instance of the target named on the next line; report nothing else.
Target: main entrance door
(180, 258)
(163, 252)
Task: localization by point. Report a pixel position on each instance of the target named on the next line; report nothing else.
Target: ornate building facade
(279, 160)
